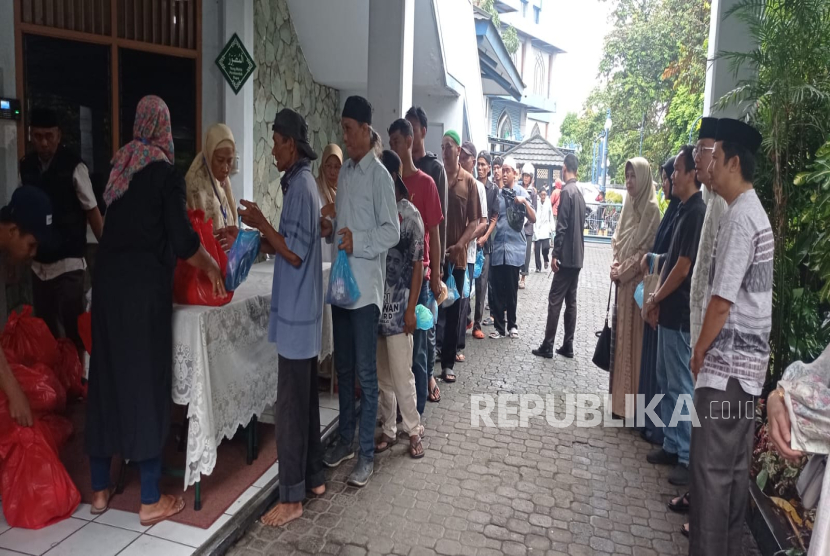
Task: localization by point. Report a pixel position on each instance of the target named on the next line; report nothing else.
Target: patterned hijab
(640, 215)
(152, 141)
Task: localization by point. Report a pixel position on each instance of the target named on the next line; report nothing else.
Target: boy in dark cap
(366, 226)
(398, 322)
(24, 224)
(731, 355)
(59, 267)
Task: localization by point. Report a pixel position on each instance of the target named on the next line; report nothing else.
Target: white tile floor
(118, 533)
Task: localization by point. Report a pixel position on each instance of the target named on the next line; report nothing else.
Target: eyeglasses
(697, 150)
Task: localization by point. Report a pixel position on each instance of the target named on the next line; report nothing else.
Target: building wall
(282, 80)
(516, 114)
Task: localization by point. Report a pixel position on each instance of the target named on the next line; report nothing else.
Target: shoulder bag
(602, 353)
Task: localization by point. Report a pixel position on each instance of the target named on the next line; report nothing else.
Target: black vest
(68, 237)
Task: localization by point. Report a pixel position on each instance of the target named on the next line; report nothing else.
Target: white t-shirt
(482, 198)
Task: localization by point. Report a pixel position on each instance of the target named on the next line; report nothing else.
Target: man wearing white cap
(509, 246)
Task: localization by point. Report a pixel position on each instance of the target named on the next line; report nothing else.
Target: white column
(731, 35)
(239, 108)
(391, 38)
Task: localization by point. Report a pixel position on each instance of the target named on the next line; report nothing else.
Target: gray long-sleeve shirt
(366, 205)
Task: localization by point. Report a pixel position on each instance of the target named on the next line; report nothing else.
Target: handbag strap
(608, 307)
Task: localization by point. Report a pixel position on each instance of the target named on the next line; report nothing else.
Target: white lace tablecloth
(224, 368)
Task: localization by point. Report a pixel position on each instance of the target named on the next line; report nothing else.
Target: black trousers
(453, 316)
(563, 288)
(504, 296)
(542, 245)
(297, 416)
(59, 302)
(719, 461)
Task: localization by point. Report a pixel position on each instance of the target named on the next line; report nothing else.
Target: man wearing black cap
(731, 355)
(715, 207)
(296, 316)
(58, 269)
(398, 322)
(366, 226)
(485, 242)
(24, 225)
(424, 195)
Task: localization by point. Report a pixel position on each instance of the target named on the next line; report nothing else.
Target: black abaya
(130, 373)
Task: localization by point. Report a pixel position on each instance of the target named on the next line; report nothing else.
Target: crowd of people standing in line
(407, 222)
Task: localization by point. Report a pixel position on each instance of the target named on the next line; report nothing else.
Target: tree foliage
(508, 34)
(651, 76)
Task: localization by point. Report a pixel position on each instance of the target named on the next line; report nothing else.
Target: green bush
(613, 197)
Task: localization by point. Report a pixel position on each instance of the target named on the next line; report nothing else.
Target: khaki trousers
(396, 384)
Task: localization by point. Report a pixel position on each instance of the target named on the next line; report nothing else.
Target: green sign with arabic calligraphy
(235, 63)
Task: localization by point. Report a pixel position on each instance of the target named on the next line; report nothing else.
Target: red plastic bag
(45, 392)
(85, 330)
(59, 427)
(69, 369)
(37, 490)
(29, 340)
(192, 286)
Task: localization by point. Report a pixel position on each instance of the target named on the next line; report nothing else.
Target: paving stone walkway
(535, 490)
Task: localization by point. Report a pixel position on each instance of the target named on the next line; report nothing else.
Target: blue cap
(31, 211)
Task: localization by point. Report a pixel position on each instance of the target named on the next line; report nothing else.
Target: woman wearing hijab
(633, 238)
(648, 362)
(330, 164)
(208, 185)
(130, 373)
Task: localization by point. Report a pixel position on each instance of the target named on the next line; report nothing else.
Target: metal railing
(601, 221)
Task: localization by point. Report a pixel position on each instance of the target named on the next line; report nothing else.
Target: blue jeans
(674, 378)
(423, 344)
(355, 353)
(150, 476)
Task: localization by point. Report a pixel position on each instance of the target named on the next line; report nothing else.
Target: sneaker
(679, 475)
(487, 322)
(514, 333)
(661, 457)
(361, 473)
(494, 335)
(567, 353)
(542, 351)
(337, 454)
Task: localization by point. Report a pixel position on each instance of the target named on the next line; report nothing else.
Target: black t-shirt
(674, 310)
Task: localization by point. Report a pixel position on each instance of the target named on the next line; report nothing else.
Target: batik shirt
(399, 267)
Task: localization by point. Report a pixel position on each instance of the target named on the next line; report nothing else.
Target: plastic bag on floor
(241, 257)
(343, 290)
(29, 340)
(37, 491)
(45, 392)
(69, 369)
(191, 286)
(85, 330)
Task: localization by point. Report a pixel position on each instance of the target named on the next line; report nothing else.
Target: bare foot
(282, 514)
(166, 507)
(319, 491)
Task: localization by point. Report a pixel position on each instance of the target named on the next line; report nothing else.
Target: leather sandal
(174, 508)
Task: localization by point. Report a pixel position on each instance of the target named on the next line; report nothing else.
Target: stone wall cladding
(282, 80)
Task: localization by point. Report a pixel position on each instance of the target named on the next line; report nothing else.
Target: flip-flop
(446, 378)
(682, 506)
(388, 441)
(98, 511)
(684, 531)
(432, 397)
(175, 508)
(459, 358)
(413, 453)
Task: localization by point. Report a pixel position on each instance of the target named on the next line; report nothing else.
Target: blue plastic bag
(466, 292)
(432, 304)
(241, 257)
(638, 295)
(343, 290)
(479, 264)
(424, 317)
(452, 290)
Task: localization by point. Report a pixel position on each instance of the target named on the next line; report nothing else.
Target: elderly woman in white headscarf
(208, 185)
(330, 164)
(633, 238)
